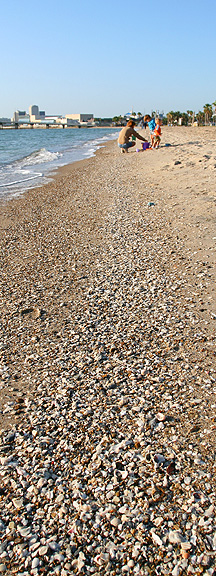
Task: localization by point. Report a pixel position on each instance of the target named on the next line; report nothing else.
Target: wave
(5, 185)
(98, 141)
(20, 173)
(39, 157)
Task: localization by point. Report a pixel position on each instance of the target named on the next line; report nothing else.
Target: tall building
(35, 113)
(33, 110)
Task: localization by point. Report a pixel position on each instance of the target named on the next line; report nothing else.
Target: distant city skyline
(107, 57)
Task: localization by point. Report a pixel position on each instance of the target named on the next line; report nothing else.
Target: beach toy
(145, 145)
(133, 137)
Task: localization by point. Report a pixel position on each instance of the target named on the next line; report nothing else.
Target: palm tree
(208, 112)
(177, 115)
(190, 114)
(184, 118)
(200, 117)
(214, 104)
(170, 117)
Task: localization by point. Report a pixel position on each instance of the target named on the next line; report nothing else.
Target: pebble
(35, 563)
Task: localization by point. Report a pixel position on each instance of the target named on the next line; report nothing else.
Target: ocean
(29, 157)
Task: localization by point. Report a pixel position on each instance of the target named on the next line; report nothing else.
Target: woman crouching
(124, 141)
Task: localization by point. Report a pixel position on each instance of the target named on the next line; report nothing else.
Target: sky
(107, 57)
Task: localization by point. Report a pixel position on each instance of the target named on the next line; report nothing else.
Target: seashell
(185, 545)
(158, 458)
(33, 312)
(36, 313)
(115, 521)
(187, 480)
(185, 550)
(160, 416)
(170, 468)
(158, 521)
(18, 503)
(176, 537)
(185, 554)
(156, 538)
(124, 474)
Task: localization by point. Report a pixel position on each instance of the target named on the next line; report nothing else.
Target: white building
(20, 116)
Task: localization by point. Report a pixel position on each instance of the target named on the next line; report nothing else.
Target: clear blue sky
(106, 57)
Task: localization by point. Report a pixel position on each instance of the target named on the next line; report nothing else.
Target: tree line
(203, 117)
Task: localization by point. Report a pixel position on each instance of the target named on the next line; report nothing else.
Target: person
(151, 124)
(157, 133)
(124, 141)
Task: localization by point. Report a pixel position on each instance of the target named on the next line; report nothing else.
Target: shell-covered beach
(108, 385)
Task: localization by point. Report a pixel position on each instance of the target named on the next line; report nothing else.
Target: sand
(49, 235)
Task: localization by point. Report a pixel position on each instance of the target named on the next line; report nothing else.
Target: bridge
(21, 126)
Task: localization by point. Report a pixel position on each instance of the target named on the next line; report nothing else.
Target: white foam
(39, 174)
(18, 174)
(39, 157)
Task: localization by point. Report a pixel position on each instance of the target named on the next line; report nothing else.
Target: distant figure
(157, 133)
(151, 124)
(124, 141)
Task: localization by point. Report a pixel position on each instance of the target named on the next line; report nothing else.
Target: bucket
(145, 145)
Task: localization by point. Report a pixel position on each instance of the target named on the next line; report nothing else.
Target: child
(151, 124)
(157, 133)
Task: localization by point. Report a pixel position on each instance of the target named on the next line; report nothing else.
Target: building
(5, 121)
(53, 119)
(33, 110)
(20, 117)
(36, 114)
(80, 117)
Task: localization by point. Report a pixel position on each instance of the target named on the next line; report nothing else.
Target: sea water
(29, 156)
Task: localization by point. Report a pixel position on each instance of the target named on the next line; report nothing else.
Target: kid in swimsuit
(157, 133)
(151, 124)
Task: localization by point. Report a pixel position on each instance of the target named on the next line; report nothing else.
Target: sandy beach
(108, 387)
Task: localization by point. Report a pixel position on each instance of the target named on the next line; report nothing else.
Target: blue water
(28, 157)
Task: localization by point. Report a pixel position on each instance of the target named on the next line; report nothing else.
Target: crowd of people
(127, 136)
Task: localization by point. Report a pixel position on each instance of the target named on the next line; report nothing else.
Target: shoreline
(33, 168)
(108, 386)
